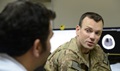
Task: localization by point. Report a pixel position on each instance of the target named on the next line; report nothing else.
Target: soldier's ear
(77, 30)
(37, 48)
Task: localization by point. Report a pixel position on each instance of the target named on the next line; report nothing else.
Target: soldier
(81, 53)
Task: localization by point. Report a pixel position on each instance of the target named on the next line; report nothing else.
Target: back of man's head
(21, 22)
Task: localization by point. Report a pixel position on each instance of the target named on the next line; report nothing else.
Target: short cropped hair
(92, 15)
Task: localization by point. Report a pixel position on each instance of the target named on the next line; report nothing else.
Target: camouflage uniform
(69, 58)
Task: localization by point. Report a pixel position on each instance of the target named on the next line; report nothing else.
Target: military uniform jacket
(68, 57)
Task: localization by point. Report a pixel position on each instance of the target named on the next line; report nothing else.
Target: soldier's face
(89, 33)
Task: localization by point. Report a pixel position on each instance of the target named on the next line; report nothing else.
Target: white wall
(60, 37)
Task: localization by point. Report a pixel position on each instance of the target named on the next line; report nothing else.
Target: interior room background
(69, 11)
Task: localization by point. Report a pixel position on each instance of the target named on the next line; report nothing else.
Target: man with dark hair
(25, 33)
(81, 53)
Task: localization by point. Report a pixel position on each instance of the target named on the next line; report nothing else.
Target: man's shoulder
(68, 48)
(62, 52)
(98, 49)
(62, 57)
(10, 64)
(98, 53)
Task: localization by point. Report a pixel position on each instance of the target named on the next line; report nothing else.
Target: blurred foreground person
(81, 53)
(25, 33)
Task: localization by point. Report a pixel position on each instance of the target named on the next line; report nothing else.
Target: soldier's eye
(88, 30)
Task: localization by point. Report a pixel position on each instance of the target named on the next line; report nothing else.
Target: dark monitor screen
(110, 40)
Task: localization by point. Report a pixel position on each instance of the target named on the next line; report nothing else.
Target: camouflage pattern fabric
(68, 57)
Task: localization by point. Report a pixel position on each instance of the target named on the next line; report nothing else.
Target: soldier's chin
(90, 47)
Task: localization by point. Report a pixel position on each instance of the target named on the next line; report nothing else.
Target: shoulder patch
(76, 66)
(105, 59)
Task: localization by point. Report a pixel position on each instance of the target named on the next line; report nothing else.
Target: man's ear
(77, 30)
(37, 48)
